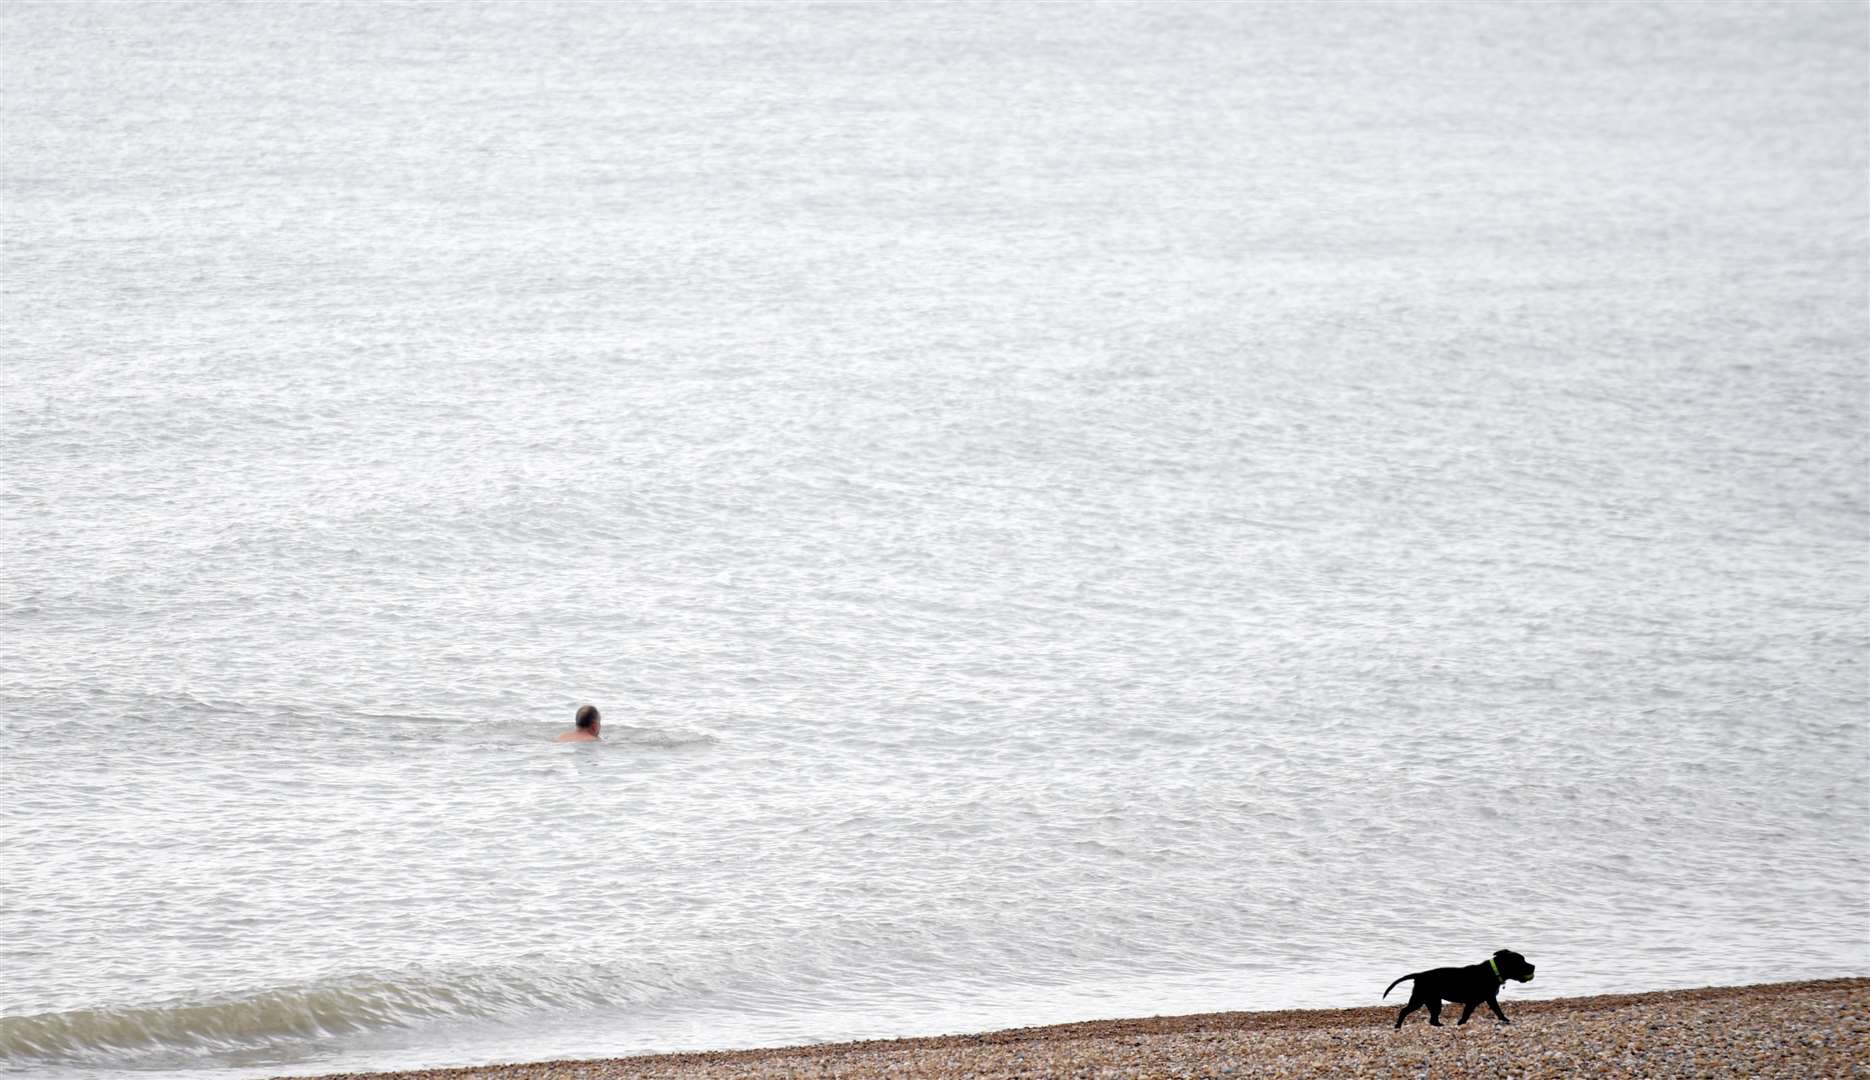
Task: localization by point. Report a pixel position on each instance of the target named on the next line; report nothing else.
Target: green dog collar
(1496, 969)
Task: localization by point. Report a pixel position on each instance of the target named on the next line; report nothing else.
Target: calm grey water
(1068, 511)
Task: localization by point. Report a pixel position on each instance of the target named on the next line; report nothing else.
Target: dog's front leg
(1494, 1004)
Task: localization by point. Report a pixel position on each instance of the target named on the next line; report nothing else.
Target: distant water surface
(1068, 511)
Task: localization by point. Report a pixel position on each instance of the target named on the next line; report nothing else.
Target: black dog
(1468, 985)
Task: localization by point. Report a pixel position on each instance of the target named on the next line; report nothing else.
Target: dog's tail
(1405, 978)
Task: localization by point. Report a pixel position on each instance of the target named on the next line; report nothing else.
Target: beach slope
(1804, 1030)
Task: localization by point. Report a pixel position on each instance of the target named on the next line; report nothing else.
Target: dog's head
(1513, 966)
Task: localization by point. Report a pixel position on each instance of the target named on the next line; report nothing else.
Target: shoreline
(1818, 1028)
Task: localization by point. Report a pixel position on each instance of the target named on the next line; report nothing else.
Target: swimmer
(588, 723)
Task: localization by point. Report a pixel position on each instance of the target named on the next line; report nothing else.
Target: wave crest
(284, 1015)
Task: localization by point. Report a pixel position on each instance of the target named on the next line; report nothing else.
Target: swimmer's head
(588, 718)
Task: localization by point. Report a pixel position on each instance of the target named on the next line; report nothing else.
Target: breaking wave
(277, 1017)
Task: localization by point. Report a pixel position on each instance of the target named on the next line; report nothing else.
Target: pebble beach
(1795, 1030)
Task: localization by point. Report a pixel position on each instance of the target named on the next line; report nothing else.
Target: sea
(1067, 511)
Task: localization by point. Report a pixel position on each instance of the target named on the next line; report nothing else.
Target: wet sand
(1803, 1030)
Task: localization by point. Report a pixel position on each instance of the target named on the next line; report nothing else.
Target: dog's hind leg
(1466, 1011)
(1406, 1010)
(1434, 1012)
